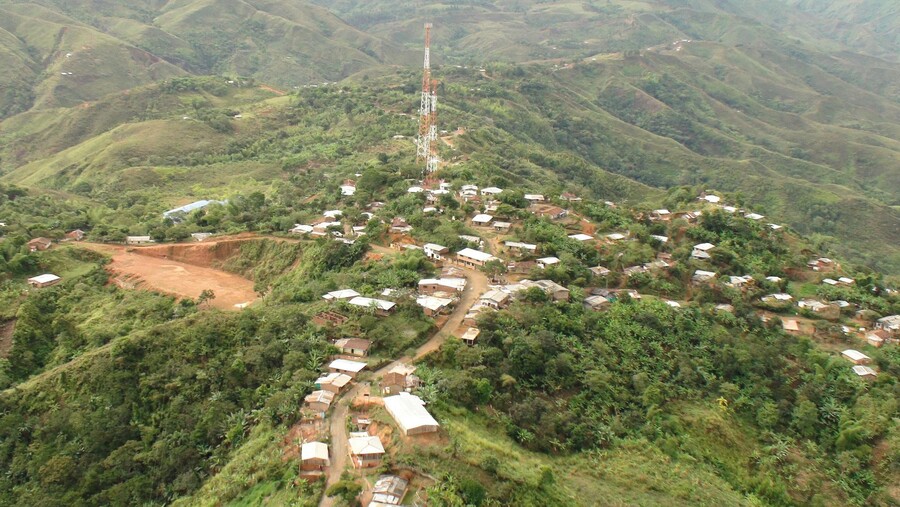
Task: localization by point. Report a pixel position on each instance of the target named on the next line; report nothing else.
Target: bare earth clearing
(133, 269)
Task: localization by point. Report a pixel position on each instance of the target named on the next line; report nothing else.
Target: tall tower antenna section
(426, 140)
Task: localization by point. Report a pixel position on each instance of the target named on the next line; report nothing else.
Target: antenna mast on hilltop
(426, 140)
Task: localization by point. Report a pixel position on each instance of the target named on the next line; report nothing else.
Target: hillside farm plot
(132, 269)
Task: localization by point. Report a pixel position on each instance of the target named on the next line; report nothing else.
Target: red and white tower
(426, 140)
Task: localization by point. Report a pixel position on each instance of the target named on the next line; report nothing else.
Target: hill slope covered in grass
(66, 53)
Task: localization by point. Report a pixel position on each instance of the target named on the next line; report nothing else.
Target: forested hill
(733, 95)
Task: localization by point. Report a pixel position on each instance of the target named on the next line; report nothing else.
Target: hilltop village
(440, 264)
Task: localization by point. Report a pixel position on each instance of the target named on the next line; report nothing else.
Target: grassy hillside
(618, 126)
(113, 46)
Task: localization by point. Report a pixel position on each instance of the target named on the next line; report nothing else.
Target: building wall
(420, 430)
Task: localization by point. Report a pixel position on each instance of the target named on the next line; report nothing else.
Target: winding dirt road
(476, 286)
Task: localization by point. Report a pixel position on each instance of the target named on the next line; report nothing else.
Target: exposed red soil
(182, 270)
(6, 335)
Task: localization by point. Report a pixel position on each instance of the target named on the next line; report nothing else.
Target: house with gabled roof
(365, 450)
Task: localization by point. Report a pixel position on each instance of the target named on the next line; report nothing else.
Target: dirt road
(477, 285)
(176, 278)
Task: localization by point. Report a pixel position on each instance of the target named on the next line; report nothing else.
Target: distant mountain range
(792, 105)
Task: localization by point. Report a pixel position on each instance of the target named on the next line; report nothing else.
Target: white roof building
(477, 255)
(347, 365)
(754, 216)
(534, 197)
(705, 247)
(415, 190)
(855, 356)
(348, 190)
(409, 412)
(458, 284)
(314, 450)
(661, 239)
(379, 304)
(45, 279)
(864, 371)
(714, 199)
(491, 191)
(616, 236)
(521, 246)
(703, 276)
(581, 237)
(363, 443)
(340, 294)
(432, 303)
(779, 297)
(482, 219)
(547, 261)
(829, 281)
(333, 213)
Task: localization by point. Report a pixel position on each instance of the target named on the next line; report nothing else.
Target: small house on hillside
(333, 382)
(470, 336)
(353, 346)
(365, 450)
(520, 247)
(44, 280)
(701, 251)
(433, 306)
(138, 240)
(319, 401)
(389, 490)
(495, 299)
(502, 226)
(399, 226)
(543, 262)
(380, 306)
(410, 415)
(865, 372)
(701, 276)
(891, 324)
(600, 271)
(596, 303)
(399, 378)
(347, 367)
(314, 456)
(76, 235)
(856, 357)
(39, 244)
(481, 219)
(549, 211)
(338, 295)
(449, 285)
(434, 251)
(660, 214)
(821, 264)
(473, 258)
(790, 326)
(878, 337)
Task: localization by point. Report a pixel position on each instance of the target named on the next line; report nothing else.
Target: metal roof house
(409, 412)
(177, 214)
